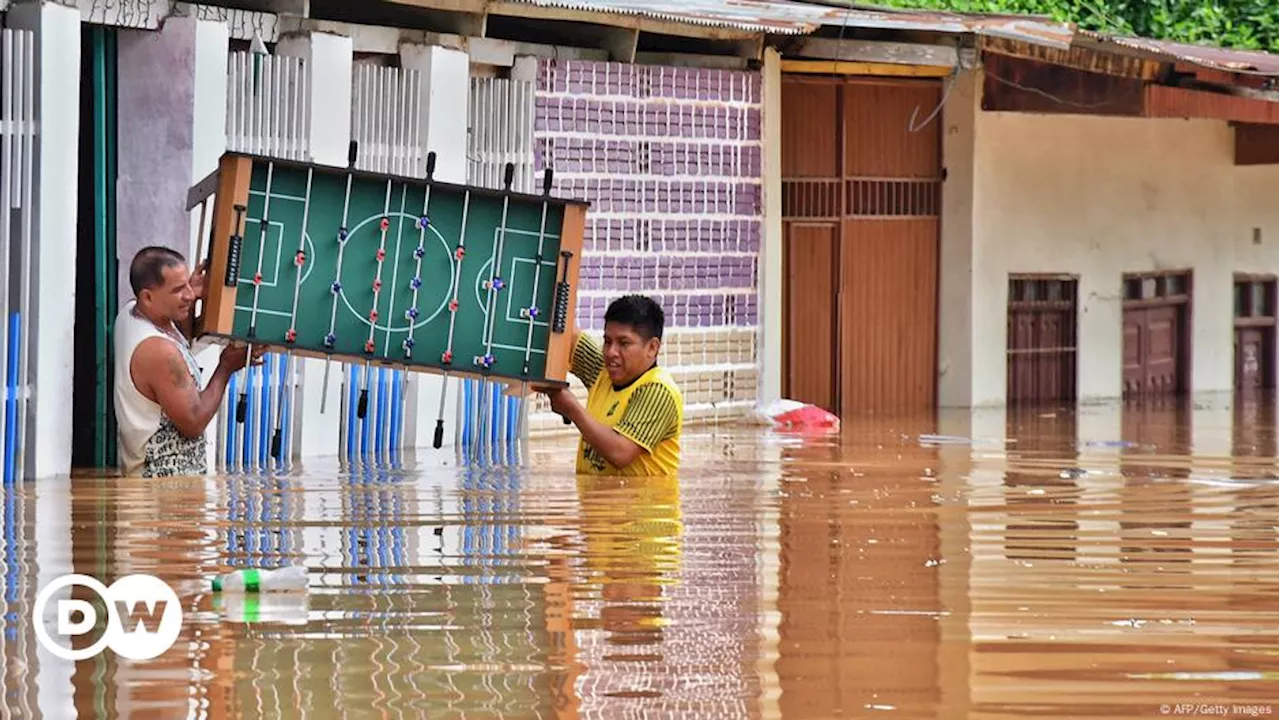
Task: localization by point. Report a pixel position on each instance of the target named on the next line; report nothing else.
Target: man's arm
(162, 375)
(618, 450)
(649, 419)
(586, 359)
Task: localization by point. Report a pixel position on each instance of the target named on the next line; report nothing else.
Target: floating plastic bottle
(263, 608)
(253, 580)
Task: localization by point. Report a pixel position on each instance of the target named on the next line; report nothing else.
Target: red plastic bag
(793, 416)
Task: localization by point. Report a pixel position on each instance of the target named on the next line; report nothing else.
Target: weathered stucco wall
(1099, 197)
(156, 104)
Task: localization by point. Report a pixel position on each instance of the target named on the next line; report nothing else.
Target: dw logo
(143, 617)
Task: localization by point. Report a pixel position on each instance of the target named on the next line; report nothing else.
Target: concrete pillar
(56, 168)
(329, 58)
(446, 88)
(172, 99)
(955, 281)
(446, 79)
(156, 120)
(771, 252)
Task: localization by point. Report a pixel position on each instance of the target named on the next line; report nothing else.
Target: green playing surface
(487, 322)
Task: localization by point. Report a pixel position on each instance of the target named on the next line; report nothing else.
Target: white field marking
(364, 319)
(526, 261)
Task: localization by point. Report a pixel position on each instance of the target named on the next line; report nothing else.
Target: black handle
(242, 408)
(362, 407)
(277, 443)
(439, 438)
(431, 164)
(509, 177)
(232, 276)
(546, 182)
(351, 153)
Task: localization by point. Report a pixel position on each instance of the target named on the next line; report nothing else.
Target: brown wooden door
(1160, 362)
(1041, 365)
(1133, 339)
(1152, 350)
(811, 261)
(1156, 342)
(854, 171)
(1249, 358)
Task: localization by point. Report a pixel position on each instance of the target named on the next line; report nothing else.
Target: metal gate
(18, 134)
(861, 190)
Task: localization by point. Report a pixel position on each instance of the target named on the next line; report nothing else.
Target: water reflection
(984, 564)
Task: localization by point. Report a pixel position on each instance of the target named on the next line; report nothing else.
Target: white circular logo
(144, 617)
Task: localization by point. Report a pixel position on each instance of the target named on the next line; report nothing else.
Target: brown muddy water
(1106, 563)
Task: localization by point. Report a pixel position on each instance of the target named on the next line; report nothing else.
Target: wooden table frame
(229, 185)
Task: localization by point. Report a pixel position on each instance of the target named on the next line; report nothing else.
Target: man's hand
(198, 279)
(236, 355)
(618, 450)
(563, 403)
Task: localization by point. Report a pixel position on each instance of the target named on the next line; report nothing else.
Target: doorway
(93, 445)
(1041, 343)
(861, 195)
(1255, 333)
(1157, 335)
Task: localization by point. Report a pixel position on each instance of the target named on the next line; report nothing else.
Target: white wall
(1100, 197)
(955, 247)
(772, 248)
(56, 167)
(208, 142)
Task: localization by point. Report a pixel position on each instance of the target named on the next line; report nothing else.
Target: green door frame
(104, 239)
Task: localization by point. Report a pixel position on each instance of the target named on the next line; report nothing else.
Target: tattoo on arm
(181, 375)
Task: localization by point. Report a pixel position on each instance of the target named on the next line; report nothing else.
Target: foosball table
(413, 273)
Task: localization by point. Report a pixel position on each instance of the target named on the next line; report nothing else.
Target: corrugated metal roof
(1225, 59)
(786, 17)
(802, 17)
(772, 16)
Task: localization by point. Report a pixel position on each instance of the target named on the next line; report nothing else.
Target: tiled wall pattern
(670, 159)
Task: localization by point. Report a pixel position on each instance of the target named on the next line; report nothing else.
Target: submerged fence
(268, 113)
(386, 124)
(18, 131)
(492, 426)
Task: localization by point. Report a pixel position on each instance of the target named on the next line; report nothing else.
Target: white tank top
(149, 444)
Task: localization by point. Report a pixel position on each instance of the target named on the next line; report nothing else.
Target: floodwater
(1106, 563)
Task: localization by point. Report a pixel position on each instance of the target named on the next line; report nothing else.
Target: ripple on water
(1046, 563)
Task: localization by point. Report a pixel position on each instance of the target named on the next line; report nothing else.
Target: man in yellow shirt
(632, 421)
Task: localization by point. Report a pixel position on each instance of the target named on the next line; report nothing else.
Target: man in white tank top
(161, 411)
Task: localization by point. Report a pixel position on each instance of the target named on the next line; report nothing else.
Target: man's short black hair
(640, 312)
(148, 266)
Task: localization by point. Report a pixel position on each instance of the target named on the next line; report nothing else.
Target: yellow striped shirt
(649, 411)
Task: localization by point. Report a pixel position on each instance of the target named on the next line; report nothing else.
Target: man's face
(173, 298)
(626, 354)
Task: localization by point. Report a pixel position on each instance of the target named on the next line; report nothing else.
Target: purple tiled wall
(670, 159)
